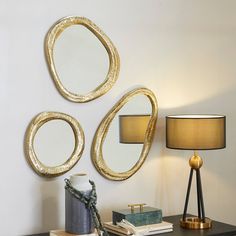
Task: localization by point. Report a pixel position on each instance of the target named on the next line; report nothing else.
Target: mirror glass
(54, 143)
(121, 157)
(81, 60)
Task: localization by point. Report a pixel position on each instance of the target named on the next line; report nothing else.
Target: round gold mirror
(115, 153)
(82, 60)
(50, 139)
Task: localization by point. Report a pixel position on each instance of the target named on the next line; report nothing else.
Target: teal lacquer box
(138, 216)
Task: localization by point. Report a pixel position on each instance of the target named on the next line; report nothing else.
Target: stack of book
(139, 220)
(126, 228)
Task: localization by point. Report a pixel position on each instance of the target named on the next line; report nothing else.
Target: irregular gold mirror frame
(114, 66)
(35, 124)
(100, 135)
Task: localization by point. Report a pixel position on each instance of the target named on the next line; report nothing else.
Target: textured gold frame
(114, 59)
(100, 135)
(35, 124)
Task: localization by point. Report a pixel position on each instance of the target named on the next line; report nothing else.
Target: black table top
(218, 229)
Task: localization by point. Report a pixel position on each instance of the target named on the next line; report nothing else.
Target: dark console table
(218, 229)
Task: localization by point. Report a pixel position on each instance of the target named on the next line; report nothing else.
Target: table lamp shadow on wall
(195, 132)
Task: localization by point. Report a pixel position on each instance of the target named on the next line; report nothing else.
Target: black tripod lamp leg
(187, 195)
(201, 195)
(198, 197)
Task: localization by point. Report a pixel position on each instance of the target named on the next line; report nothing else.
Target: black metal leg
(187, 195)
(198, 197)
(201, 195)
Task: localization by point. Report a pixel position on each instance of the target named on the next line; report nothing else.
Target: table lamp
(133, 128)
(195, 132)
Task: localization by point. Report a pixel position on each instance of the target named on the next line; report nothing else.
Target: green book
(148, 216)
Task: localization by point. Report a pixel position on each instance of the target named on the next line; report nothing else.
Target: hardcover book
(144, 230)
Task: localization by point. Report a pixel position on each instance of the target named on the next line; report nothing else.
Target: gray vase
(78, 219)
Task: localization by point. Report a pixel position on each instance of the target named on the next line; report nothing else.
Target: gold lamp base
(195, 223)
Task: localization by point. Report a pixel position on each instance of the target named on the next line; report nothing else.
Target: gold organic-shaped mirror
(101, 161)
(42, 157)
(82, 60)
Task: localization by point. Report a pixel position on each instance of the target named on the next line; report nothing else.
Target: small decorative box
(138, 217)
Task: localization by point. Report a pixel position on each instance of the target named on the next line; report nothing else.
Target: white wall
(185, 51)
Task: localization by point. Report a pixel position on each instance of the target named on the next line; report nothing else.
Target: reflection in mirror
(80, 59)
(133, 128)
(118, 156)
(116, 161)
(54, 143)
(48, 134)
